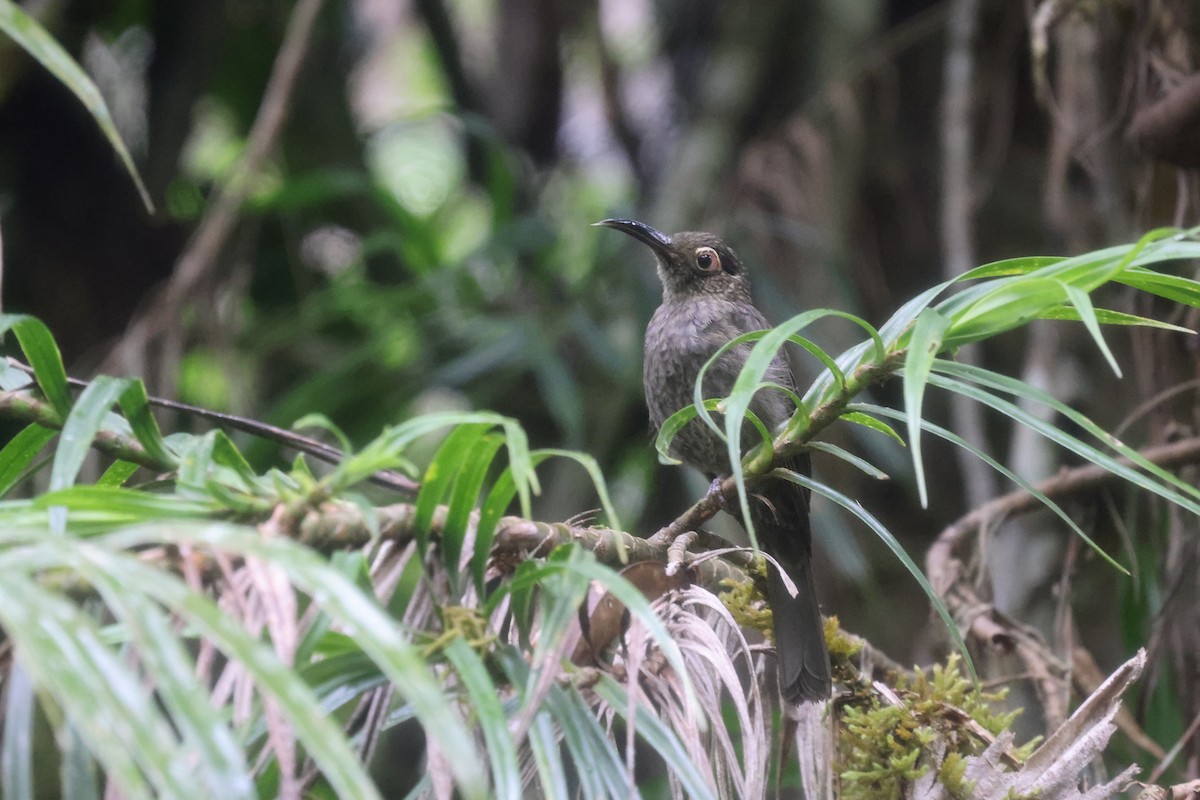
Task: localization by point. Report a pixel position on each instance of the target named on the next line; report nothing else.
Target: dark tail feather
(799, 635)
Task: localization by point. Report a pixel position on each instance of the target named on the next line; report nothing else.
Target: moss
(746, 603)
(884, 747)
(952, 777)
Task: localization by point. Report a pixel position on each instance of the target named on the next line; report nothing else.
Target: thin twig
(30, 408)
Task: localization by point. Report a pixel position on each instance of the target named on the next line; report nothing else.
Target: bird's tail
(799, 633)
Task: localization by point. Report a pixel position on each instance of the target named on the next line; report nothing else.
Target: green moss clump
(746, 603)
(884, 747)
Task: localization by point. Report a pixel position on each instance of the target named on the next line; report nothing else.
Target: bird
(706, 302)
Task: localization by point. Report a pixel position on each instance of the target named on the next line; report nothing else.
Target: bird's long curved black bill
(656, 240)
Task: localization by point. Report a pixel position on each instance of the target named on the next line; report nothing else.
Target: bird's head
(690, 264)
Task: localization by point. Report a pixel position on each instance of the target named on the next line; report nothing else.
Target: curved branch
(1049, 673)
(785, 445)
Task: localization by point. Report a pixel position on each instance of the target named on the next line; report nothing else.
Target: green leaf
(62, 653)
(1108, 317)
(1172, 287)
(867, 421)
(215, 759)
(1011, 266)
(850, 458)
(385, 451)
(602, 775)
(31, 36)
(574, 560)
(1009, 303)
(1083, 305)
(547, 757)
(440, 475)
(20, 452)
(674, 424)
(81, 426)
(117, 473)
(855, 508)
(923, 348)
(133, 505)
(1025, 485)
(483, 699)
(504, 490)
(136, 407)
(464, 499)
(354, 610)
(1167, 485)
(324, 423)
(592, 467)
(39, 348)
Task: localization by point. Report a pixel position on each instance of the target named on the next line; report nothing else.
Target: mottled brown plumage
(706, 303)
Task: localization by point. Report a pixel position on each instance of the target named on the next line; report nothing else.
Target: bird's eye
(708, 260)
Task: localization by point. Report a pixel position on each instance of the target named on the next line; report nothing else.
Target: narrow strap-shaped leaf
(31, 36)
(216, 760)
(319, 734)
(1167, 486)
(867, 421)
(853, 460)
(547, 758)
(117, 473)
(20, 452)
(923, 348)
(856, 508)
(375, 631)
(1087, 314)
(440, 475)
(42, 353)
(572, 559)
(1172, 287)
(463, 500)
(64, 655)
(136, 407)
(673, 424)
(1025, 485)
(78, 770)
(81, 427)
(1107, 316)
(592, 467)
(603, 775)
(482, 695)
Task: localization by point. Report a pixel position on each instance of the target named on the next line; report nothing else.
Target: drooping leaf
(30, 35)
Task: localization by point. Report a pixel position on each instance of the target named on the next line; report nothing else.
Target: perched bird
(706, 302)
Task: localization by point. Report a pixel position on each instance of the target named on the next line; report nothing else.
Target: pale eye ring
(707, 260)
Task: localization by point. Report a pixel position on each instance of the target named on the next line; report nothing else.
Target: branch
(30, 408)
(337, 525)
(948, 574)
(1067, 483)
(786, 444)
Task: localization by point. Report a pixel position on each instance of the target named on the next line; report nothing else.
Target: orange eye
(707, 260)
